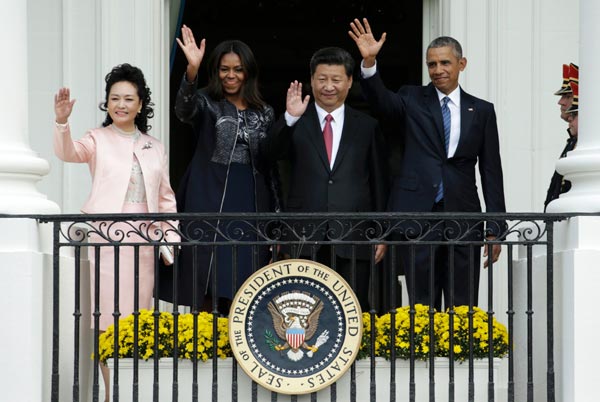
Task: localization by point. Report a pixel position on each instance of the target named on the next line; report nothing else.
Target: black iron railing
(271, 237)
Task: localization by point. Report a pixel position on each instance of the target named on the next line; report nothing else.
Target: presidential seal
(295, 326)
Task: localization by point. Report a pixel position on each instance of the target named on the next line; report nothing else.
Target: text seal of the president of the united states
(295, 326)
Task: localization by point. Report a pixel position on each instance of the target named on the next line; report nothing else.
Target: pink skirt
(126, 268)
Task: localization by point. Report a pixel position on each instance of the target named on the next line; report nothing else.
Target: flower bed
(462, 335)
(441, 332)
(166, 329)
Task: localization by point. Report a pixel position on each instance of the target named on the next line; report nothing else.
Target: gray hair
(444, 41)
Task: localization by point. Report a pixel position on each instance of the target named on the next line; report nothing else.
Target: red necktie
(328, 136)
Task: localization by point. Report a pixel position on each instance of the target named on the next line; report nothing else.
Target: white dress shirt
(337, 125)
(453, 105)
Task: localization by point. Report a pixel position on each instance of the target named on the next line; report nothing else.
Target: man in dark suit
(337, 164)
(446, 133)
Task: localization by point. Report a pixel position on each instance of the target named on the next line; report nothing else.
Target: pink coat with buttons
(109, 157)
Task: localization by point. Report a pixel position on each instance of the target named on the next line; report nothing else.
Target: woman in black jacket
(229, 170)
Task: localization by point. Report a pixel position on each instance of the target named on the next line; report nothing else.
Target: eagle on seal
(295, 320)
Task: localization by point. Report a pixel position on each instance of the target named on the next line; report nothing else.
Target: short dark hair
(250, 91)
(332, 56)
(444, 41)
(127, 72)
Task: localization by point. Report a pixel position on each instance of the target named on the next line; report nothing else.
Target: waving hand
(193, 53)
(368, 46)
(294, 104)
(63, 105)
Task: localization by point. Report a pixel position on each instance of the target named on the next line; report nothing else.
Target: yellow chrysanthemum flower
(408, 334)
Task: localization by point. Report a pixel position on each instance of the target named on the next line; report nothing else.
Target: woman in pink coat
(130, 174)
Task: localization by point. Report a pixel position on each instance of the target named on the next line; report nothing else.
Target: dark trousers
(359, 282)
(455, 275)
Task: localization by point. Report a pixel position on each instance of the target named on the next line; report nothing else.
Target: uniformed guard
(569, 105)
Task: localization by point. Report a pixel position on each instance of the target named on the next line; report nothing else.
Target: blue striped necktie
(446, 120)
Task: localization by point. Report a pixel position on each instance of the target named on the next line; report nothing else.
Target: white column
(576, 279)
(21, 259)
(582, 166)
(577, 252)
(20, 167)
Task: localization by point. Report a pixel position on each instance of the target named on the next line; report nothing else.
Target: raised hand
(294, 104)
(63, 105)
(368, 46)
(193, 53)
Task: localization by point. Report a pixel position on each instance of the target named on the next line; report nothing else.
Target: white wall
(539, 39)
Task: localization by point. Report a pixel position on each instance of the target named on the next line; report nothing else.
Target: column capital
(20, 170)
(582, 168)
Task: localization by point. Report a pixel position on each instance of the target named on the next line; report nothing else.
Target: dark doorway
(283, 35)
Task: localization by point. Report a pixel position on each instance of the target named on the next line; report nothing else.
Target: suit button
(435, 185)
(330, 181)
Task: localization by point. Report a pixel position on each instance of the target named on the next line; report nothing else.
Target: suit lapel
(348, 133)
(467, 112)
(433, 103)
(315, 134)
